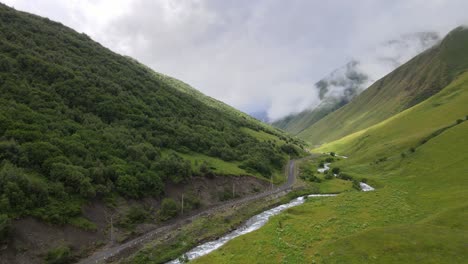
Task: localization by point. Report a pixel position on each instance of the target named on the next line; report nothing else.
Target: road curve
(113, 252)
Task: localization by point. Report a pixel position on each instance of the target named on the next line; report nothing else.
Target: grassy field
(417, 160)
(221, 167)
(403, 88)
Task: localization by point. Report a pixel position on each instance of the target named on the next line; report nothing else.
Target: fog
(258, 55)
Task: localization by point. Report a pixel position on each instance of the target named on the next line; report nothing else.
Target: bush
(290, 150)
(5, 227)
(226, 194)
(329, 176)
(332, 154)
(175, 168)
(135, 215)
(336, 170)
(459, 121)
(191, 201)
(356, 185)
(169, 209)
(257, 165)
(128, 186)
(206, 170)
(345, 177)
(59, 255)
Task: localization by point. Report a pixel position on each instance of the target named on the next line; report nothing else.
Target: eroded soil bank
(32, 239)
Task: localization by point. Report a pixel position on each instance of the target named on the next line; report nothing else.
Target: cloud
(254, 55)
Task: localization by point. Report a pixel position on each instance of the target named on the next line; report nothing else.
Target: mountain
(80, 124)
(417, 161)
(261, 116)
(408, 85)
(342, 85)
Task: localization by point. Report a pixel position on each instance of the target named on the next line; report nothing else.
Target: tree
(128, 186)
(34, 154)
(174, 168)
(290, 149)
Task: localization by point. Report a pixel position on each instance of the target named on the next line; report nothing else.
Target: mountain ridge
(411, 83)
(345, 83)
(82, 126)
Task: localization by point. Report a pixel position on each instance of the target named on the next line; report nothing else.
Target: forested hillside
(408, 85)
(78, 121)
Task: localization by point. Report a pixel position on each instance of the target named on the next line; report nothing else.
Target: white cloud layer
(253, 55)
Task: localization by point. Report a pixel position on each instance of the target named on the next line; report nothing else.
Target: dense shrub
(59, 255)
(345, 176)
(356, 185)
(135, 215)
(169, 209)
(174, 168)
(335, 170)
(308, 175)
(5, 227)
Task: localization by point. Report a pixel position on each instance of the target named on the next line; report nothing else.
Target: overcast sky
(253, 55)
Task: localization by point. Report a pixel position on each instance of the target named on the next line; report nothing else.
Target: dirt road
(113, 252)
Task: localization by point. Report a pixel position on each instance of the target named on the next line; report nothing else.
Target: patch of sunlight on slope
(435, 182)
(404, 130)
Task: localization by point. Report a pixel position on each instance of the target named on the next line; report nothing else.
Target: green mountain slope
(78, 121)
(295, 124)
(408, 85)
(417, 160)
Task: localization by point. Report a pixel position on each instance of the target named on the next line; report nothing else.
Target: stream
(252, 224)
(255, 223)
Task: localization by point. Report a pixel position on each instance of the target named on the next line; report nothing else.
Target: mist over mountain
(348, 81)
(261, 116)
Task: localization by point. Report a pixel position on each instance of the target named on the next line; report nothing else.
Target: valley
(105, 160)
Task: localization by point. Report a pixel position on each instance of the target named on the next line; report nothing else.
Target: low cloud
(261, 55)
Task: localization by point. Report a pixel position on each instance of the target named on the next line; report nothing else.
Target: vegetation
(169, 209)
(417, 214)
(59, 255)
(307, 174)
(354, 227)
(410, 84)
(135, 215)
(5, 227)
(78, 121)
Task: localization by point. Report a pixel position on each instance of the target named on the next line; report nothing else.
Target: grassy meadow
(417, 160)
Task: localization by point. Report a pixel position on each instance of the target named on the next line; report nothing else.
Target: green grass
(202, 229)
(334, 185)
(417, 215)
(221, 167)
(262, 136)
(408, 85)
